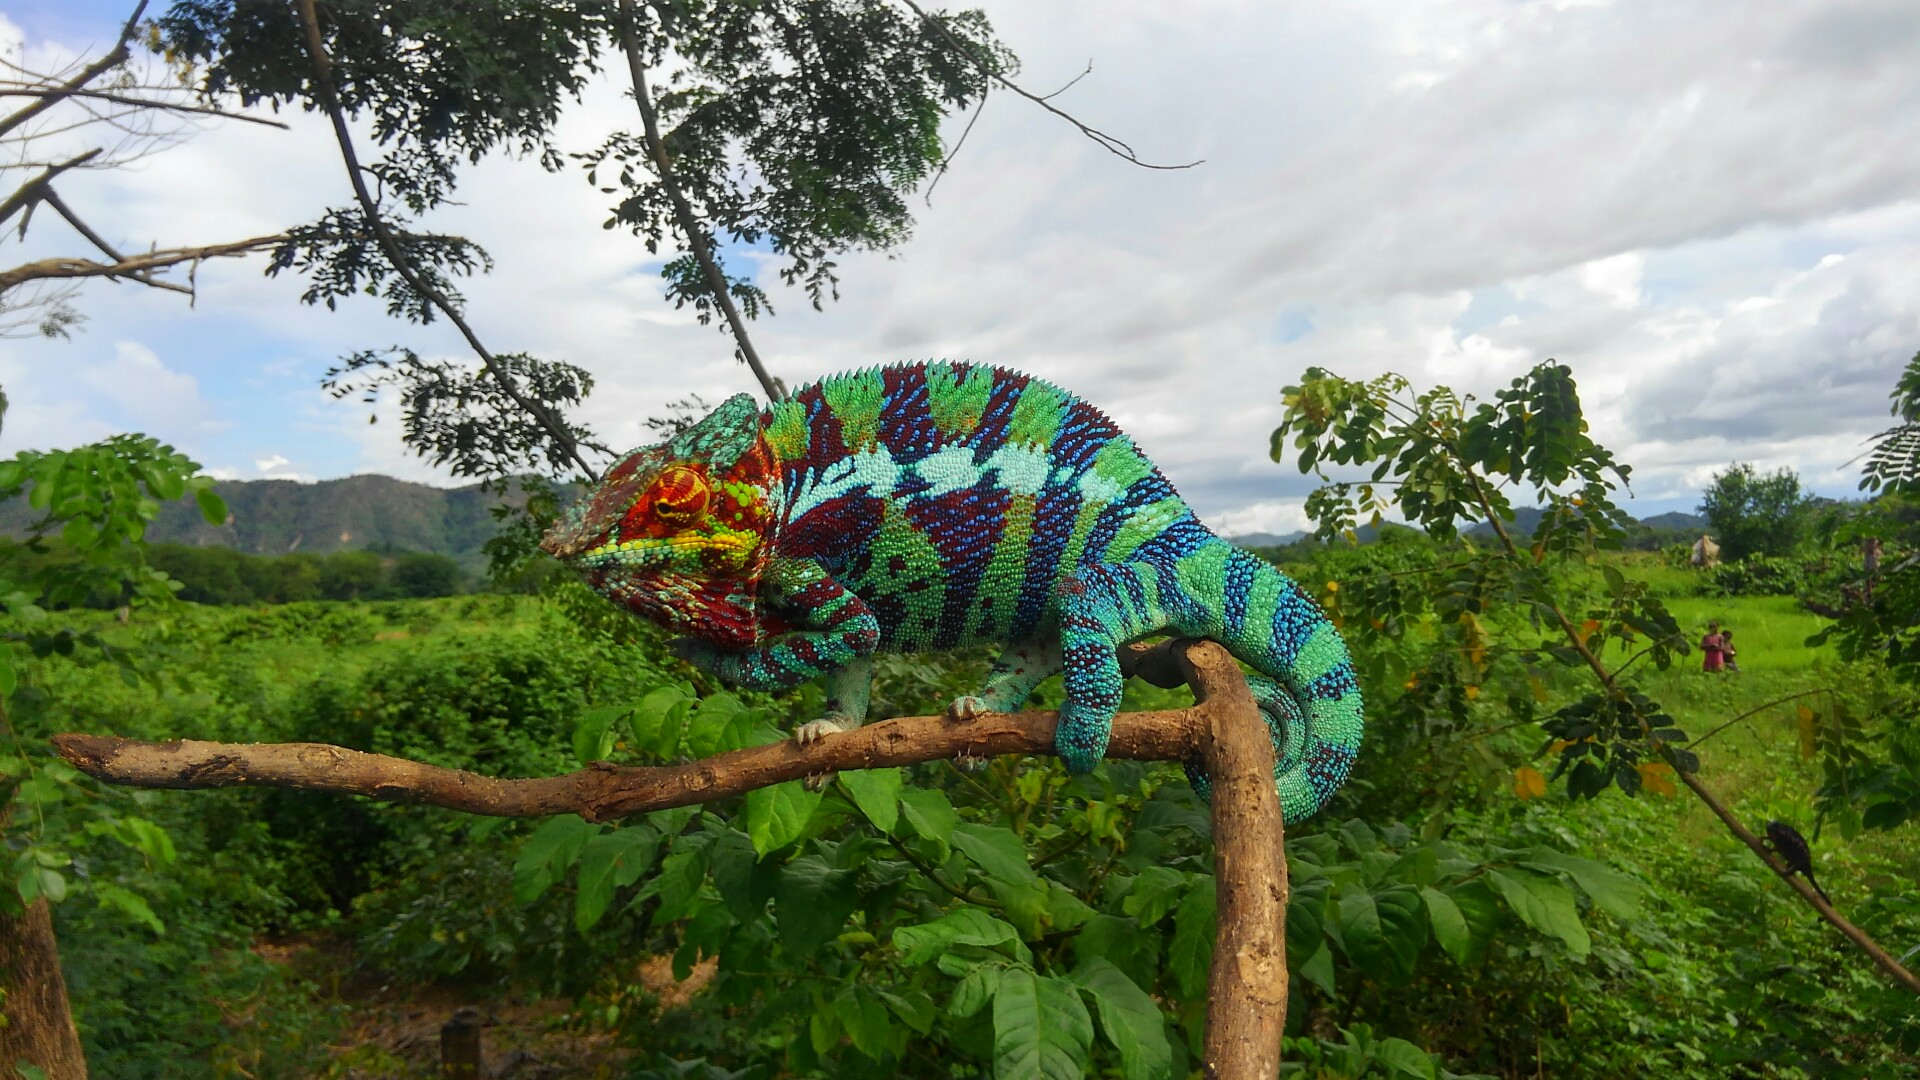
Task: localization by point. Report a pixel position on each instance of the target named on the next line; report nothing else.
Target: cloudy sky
(1710, 210)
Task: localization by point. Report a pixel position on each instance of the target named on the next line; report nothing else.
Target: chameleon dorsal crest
(722, 437)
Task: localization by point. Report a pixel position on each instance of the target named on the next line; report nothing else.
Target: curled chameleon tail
(1305, 683)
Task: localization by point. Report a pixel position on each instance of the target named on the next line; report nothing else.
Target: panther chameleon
(928, 506)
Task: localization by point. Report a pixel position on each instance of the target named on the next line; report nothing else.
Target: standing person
(1728, 652)
(1710, 656)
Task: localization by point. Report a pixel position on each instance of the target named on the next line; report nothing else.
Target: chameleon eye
(679, 496)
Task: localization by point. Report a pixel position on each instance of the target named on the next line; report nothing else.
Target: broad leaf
(778, 815)
(1191, 953)
(812, 901)
(877, 793)
(611, 861)
(1544, 904)
(997, 852)
(1129, 1019)
(1041, 1031)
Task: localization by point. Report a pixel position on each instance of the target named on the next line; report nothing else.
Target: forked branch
(1247, 988)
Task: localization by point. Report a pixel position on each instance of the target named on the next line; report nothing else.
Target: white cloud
(270, 463)
(1702, 206)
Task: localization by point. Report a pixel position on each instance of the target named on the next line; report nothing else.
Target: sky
(1709, 209)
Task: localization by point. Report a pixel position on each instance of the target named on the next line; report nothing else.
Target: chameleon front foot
(812, 732)
(968, 763)
(964, 710)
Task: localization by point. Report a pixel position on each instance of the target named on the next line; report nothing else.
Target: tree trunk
(39, 1024)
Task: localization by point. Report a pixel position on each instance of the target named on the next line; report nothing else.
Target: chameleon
(930, 506)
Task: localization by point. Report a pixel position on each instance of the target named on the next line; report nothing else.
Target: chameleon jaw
(726, 550)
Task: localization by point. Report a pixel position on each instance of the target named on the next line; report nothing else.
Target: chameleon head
(677, 532)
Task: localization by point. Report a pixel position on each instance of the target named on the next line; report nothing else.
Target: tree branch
(113, 58)
(1112, 145)
(330, 101)
(35, 189)
(1247, 986)
(697, 239)
(136, 267)
(141, 103)
(1800, 885)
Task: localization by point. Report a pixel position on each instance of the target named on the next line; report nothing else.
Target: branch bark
(1247, 1001)
(697, 239)
(330, 101)
(136, 267)
(1800, 885)
(114, 58)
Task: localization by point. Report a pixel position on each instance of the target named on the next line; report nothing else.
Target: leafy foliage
(1753, 514)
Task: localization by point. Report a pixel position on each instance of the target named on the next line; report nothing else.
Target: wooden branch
(543, 414)
(1800, 885)
(697, 239)
(1247, 986)
(134, 102)
(113, 58)
(136, 267)
(33, 190)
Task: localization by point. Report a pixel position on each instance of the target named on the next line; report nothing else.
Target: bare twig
(696, 235)
(35, 189)
(1800, 885)
(330, 101)
(112, 59)
(1248, 981)
(142, 103)
(137, 267)
(1111, 144)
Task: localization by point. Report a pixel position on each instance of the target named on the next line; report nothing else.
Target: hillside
(273, 517)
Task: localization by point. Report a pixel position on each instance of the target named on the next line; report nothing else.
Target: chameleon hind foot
(965, 710)
(812, 732)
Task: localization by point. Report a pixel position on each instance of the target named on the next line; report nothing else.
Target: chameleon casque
(920, 507)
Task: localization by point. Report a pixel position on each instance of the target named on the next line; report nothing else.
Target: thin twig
(35, 189)
(114, 58)
(696, 235)
(144, 103)
(1757, 709)
(543, 413)
(1111, 144)
(941, 170)
(1800, 885)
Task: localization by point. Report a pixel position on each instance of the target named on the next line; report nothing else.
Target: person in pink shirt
(1711, 656)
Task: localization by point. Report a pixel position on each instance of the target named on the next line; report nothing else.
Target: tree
(420, 573)
(350, 575)
(97, 500)
(1755, 514)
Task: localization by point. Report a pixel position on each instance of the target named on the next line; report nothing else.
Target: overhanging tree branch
(1247, 985)
(330, 101)
(1115, 146)
(697, 239)
(135, 267)
(113, 58)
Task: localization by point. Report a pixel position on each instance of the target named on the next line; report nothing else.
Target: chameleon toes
(963, 710)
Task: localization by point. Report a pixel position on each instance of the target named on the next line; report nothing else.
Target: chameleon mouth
(732, 549)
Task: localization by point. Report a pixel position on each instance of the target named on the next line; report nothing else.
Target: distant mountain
(1676, 521)
(273, 517)
(1265, 539)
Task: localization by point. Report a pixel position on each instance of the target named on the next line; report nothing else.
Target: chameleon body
(923, 507)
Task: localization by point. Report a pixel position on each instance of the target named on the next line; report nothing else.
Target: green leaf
(129, 903)
(611, 861)
(1611, 891)
(1129, 1019)
(974, 990)
(778, 815)
(658, 721)
(1153, 894)
(1041, 1030)
(547, 854)
(930, 816)
(593, 734)
(1449, 926)
(53, 884)
(1191, 953)
(745, 881)
(1401, 1058)
(212, 507)
(812, 901)
(718, 723)
(914, 1008)
(964, 926)
(877, 793)
(865, 1017)
(1360, 930)
(9, 678)
(1403, 927)
(997, 852)
(1544, 904)
(1318, 969)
